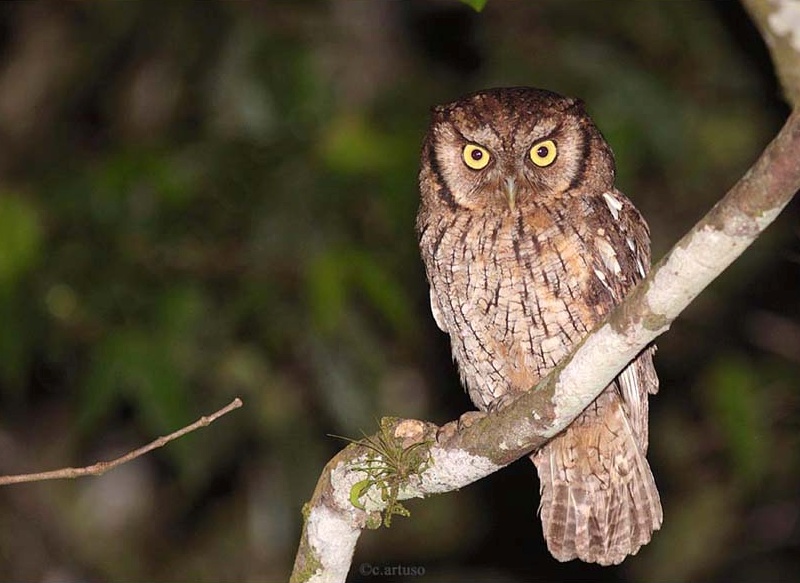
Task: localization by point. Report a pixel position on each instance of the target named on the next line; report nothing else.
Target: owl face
(503, 149)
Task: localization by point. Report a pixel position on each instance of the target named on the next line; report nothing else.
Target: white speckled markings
(693, 263)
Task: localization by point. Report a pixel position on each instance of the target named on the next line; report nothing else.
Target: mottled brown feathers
(523, 260)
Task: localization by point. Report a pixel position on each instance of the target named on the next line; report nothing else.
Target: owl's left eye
(544, 153)
(476, 157)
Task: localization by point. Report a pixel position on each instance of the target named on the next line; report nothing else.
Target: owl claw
(468, 418)
(502, 402)
(448, 430)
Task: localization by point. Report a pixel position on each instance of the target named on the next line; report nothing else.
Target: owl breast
(516, 291)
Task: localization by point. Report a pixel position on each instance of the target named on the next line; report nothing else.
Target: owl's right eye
(476, 157)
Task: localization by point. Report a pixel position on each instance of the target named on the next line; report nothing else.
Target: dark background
(204, 200)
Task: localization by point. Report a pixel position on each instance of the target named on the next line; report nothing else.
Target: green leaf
(358, 490)
(476, 5)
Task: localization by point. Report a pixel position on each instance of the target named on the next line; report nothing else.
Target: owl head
(504, 149)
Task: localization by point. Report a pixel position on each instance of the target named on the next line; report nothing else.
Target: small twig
(101, 468)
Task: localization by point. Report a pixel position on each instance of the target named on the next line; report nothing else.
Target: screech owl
(527, 245)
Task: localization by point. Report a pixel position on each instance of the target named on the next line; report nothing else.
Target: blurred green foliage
(20, 249)
(741, 415)
(476, 5)
(203, 200)
(20, 239)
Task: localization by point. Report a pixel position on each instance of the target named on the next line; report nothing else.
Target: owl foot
(468, 418)
(448, 430)
(502, 402)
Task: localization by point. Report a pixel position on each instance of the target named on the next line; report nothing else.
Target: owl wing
(437, 312)
(603, 507)
(623, 259)
(635, 383)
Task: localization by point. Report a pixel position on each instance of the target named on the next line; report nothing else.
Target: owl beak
(511, 193)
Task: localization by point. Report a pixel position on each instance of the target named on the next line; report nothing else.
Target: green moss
(310, 565)
(374, 520)
(655, 322)
(389, 466)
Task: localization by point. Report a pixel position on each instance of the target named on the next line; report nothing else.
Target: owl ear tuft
(438, 110)
(577, 103)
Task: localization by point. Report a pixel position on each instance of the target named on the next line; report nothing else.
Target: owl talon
(468, 418)
(502, 402)
(448, 430)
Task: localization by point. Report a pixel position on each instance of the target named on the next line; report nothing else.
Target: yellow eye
(544, 153)
(476, 157)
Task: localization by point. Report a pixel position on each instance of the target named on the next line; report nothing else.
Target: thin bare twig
(100, 468)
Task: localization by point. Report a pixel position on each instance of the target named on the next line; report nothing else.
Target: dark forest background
(200, 200)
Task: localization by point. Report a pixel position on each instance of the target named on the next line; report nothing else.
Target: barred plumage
(527, 245)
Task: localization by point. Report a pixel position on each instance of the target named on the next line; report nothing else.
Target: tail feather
(599, 501)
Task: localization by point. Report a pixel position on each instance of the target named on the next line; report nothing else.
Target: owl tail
(599, 501)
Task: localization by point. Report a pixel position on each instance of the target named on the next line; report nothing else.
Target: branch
(101, 468)
(778, 21)
(458, 456)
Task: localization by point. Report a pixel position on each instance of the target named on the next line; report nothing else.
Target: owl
(527, 245)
